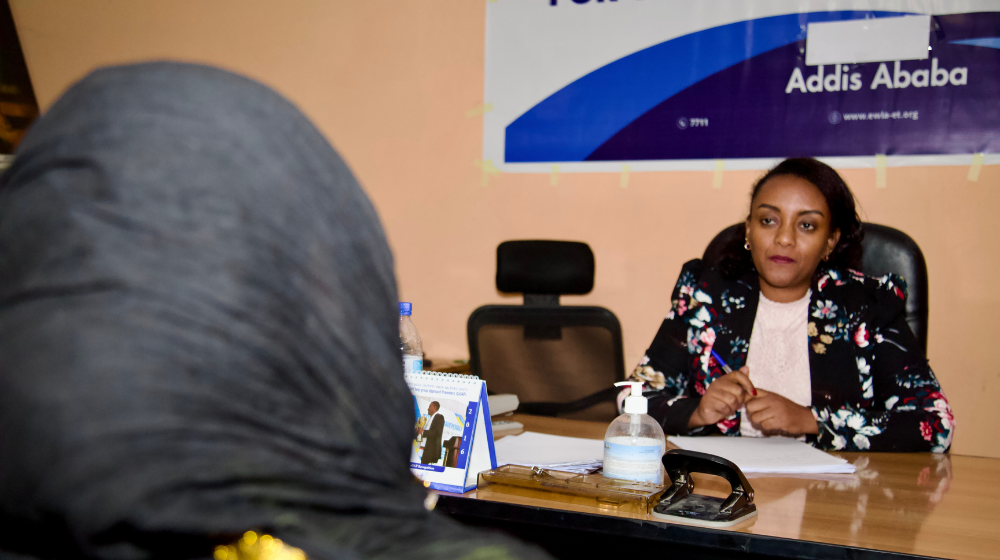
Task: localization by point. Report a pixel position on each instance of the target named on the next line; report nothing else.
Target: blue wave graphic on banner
(573, 122)
(991, 42)
(945, 104)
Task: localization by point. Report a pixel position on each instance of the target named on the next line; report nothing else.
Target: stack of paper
(559, 453)
(766, 455)
(752, 455)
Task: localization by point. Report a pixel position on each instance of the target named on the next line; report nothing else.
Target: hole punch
(680, 504)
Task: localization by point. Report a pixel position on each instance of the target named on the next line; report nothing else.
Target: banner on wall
(674, 84)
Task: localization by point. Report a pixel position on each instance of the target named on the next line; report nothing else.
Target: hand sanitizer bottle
(634, 444)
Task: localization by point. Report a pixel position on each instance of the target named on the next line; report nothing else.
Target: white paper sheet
(543, 450)
(765, 455)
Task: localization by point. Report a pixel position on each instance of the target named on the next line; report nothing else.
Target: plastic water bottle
(409, 340)
(634, 443)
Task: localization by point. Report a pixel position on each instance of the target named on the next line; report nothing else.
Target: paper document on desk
(559, 453)
(765, 455)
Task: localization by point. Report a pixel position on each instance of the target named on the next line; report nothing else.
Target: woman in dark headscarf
(198, 334)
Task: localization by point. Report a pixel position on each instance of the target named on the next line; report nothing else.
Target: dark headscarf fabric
(198, 334)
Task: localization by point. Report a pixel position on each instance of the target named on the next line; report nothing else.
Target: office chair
(885, 250)
(558, 360)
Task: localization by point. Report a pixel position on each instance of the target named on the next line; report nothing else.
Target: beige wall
(389, 82)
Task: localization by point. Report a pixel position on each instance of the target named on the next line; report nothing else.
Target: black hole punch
(680, 503)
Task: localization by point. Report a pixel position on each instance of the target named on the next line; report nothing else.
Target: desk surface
(913, 504)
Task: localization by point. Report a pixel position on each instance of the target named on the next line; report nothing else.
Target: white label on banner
(868, 40)
(595, 85)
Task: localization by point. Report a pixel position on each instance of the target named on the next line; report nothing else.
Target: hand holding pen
(769, 412)
(724, 396)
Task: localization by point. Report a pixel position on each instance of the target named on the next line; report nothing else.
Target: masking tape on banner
(977, 166)
(717, 175)
(625, 171)
(488, 169)
(880, 171)
(479, 110)
(554, 178)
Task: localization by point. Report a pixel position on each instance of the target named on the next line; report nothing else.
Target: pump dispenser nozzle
(635, 403)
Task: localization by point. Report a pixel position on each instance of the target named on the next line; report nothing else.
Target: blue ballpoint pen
(725, 366)
(718, 358)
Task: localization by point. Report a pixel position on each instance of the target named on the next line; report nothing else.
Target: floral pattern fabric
(872, 388)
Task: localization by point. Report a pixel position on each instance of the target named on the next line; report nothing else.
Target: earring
(746, 244)
(827, 257)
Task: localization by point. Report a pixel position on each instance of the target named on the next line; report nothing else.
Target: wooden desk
(896, 505)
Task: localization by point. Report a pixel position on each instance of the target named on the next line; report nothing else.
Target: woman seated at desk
(817, 348)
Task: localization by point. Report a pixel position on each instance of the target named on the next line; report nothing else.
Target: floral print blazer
(872, 388)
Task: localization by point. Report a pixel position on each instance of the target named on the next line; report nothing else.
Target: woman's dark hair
(734, 260)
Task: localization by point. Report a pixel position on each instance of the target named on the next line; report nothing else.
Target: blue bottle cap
(405, 308)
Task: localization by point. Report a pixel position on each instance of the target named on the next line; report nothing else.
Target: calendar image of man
(430, 429)
(436, 423)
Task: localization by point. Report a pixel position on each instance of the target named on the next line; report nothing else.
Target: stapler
(680, 504)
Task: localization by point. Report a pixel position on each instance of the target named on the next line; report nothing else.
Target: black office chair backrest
(545, 267)
(558, 360)
(885, 249)
(888, 250)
